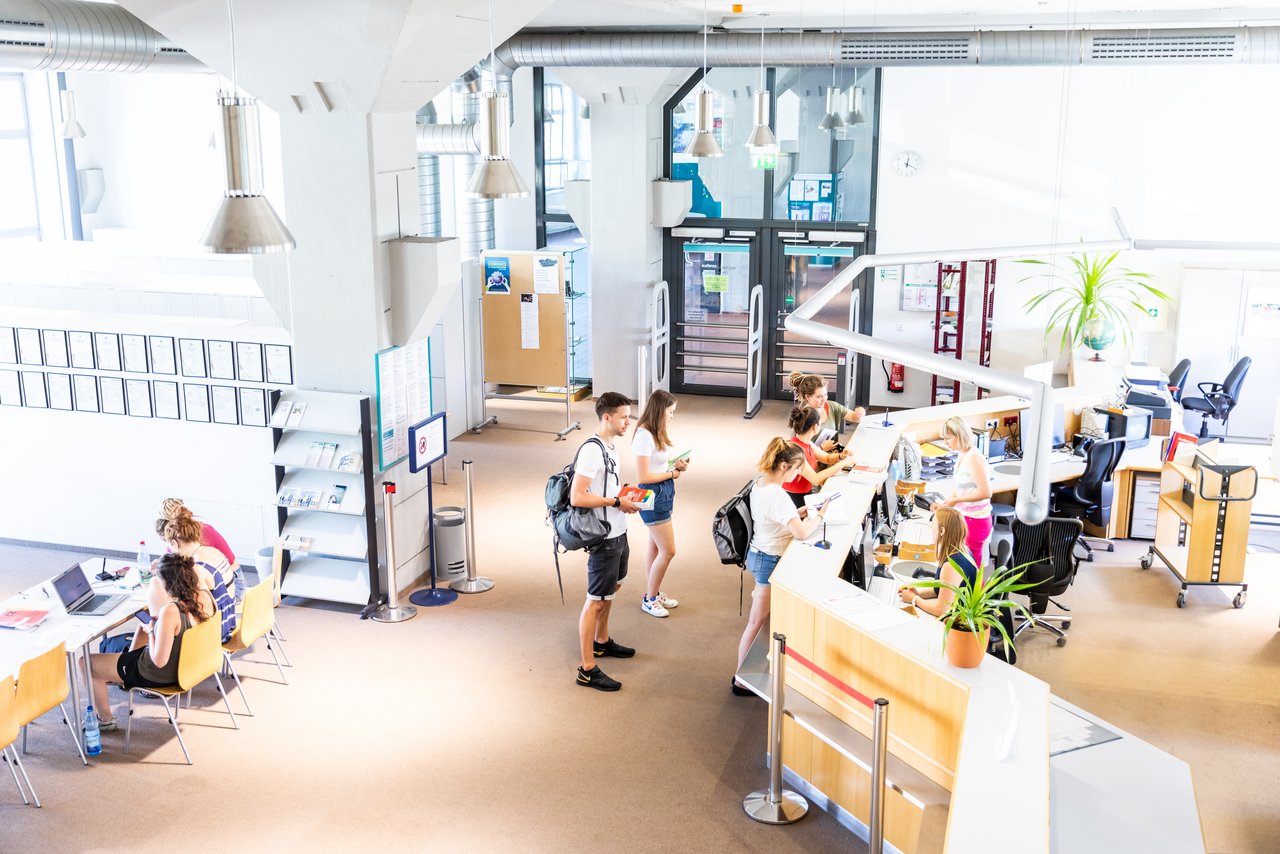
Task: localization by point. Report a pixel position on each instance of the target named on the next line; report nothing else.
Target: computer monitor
(1059, 427)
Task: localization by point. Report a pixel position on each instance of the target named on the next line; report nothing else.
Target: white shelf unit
(340, 564)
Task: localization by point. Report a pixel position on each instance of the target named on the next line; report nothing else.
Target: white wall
(1024, 155)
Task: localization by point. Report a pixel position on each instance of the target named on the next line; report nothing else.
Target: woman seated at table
(955, 565)
(804, 424)
(176, 601)
(775, 521)
(215, 573)
(811, 390)
(172, 509)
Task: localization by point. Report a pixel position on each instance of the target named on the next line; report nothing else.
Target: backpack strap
(609, 467)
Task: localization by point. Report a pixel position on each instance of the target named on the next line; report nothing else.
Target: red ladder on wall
(949, 321)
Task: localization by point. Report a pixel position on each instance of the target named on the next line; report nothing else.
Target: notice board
(522, 309)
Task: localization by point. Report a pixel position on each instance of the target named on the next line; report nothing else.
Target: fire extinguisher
(896, 375)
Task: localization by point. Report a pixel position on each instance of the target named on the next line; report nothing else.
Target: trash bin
(450, 535)
(262, 563)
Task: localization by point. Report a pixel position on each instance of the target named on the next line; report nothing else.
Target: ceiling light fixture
(854, 116)
(496, 176)
(704, 142)
(71, 128)
(244, 222)
(762, 140)
(834, 120)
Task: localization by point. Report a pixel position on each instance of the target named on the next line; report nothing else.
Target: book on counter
(23, 621)
(642, 498)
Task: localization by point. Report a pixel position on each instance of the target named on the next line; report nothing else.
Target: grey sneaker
(108, 726)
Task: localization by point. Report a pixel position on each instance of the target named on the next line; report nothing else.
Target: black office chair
(1178, 379)
(995, 643)
(1219, 398)
(1046, 552)
(1090, 496)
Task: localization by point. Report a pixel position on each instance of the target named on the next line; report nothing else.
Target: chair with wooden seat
(43, 687)
(9, 734)
(255, 624)
(199, 658)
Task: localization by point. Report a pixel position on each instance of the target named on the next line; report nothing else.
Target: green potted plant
(1091, 298)
(974, 611)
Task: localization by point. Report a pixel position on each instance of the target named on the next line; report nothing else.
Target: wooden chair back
(256, 619)
(201, 653)
(42, 684)
(8, 713)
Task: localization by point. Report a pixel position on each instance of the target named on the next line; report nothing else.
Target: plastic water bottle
(144, 560)
(92, 737)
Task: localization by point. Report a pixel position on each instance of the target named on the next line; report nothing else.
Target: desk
(77, 633)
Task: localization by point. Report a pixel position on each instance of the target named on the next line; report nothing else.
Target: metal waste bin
(449, 531)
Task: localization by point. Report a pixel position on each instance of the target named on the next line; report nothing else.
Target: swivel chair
(1046, 552)
(1219, 398)
(1090, 496)
(1178, 379)
(995, 643)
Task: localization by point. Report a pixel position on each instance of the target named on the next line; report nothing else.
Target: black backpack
(572, 527)
(731, 528)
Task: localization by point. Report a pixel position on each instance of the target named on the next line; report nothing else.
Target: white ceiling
(899, 14)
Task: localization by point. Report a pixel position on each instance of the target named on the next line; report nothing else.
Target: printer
(1146, 386)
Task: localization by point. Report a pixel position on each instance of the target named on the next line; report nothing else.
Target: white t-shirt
(643, 445)
(591, 464)
(771, 510)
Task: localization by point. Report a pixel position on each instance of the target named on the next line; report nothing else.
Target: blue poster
(497, 275)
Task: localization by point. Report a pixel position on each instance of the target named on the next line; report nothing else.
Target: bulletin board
(515, 288)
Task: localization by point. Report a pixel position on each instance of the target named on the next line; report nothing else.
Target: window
(566, 141)
(19, 217)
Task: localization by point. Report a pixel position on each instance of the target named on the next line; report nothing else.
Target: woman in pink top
(172, 508)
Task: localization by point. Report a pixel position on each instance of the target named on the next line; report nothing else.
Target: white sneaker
(667, 601)
(653, 606)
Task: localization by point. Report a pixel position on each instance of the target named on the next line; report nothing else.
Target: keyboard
(93, 604)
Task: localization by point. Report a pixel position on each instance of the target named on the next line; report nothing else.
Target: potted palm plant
(1091, 300)
(975, 610)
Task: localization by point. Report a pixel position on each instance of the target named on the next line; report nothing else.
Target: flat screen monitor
(1059, 426)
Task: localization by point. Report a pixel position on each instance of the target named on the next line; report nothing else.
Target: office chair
(1178, 379)
(1047, 554)
(995, 644)
(1090, 496)
(1219, 398)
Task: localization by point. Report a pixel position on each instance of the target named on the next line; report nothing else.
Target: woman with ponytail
(811, 390)
(804, 425)
(775, 521)
(955, 565)
(176, 601)
(172, 509)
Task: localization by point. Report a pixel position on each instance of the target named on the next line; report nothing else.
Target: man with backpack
(595, 485)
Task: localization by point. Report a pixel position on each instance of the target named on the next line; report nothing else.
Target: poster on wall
(546, 276)
(919, 297)
(55, 348)
(81, 346)
(404, 397)
(224, 405)
(8, 349)
(166, 399)
(497, 275)
(196, 398)
(249, 361)
(529, 322)
(85, 389)
(253, 407)
(163, 359)
(29, 347)
(279, 364)
(222, 363)
(134, 348)
(111, 391)
(10, 389)
(138, 395)
(191, 356)
(60, 392)
(106, 347)
(33, 393)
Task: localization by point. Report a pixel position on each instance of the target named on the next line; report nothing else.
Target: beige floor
(462, 729)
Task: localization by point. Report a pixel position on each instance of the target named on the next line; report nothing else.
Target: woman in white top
(973, 488)
(775, 521)
(656, 470)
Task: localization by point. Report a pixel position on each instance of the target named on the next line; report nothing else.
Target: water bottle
(92, 737)
(144, 561)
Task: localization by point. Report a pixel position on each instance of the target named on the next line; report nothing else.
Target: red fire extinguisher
(896, 374)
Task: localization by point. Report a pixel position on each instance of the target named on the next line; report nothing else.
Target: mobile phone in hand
(145, 617)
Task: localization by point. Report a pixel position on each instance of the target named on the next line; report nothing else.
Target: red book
(1174, 441)
(641, 497)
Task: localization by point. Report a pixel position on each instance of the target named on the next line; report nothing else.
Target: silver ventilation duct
(65, 35)
(474, 215)
(429, 223)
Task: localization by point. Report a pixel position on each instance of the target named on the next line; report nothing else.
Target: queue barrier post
(776, 805)
(472, 583)
(391, 611)
(879, 758)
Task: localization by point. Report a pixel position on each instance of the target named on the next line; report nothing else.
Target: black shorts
(606, 567)
(127, 667)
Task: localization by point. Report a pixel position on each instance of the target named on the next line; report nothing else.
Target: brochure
(671, 463)
(295, 415)
(280, 417)
(350, 462)
(23, 621)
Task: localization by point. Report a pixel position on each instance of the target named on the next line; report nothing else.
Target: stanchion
(391, 611)
(776, 805)
(472, 583)
(880, 746)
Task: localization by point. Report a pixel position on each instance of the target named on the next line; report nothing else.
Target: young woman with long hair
(955, 565)
(775, 521)
(973, 488)
(811, 390)
(176, 601)
(215, 574)
(804, 422)
(655, 470)
(172, 509)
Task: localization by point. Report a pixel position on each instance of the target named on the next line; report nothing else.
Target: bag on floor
(575, 528)
(731, 528)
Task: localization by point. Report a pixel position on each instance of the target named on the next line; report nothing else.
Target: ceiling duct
(66, 35)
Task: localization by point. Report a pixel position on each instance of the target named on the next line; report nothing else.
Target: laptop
(78, 596)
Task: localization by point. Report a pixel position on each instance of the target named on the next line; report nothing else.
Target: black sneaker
(611, 649)
(596, 678)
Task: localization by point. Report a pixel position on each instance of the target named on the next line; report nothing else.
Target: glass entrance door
(711, 316)
(804, 263)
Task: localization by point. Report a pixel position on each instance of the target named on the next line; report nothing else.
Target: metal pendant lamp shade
(762, 140)
(854, 116)
(704, 141)
(496, 176)
(244, 223)
(832, 119)
(71, 128)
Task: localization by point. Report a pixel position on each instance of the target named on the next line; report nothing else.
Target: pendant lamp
(496, 176)
(244, 223)
(832, 120)
(704, 142)
(761, 140)
(854, 116)
(71, 128)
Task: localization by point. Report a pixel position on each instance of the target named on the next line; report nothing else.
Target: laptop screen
(72, 586)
